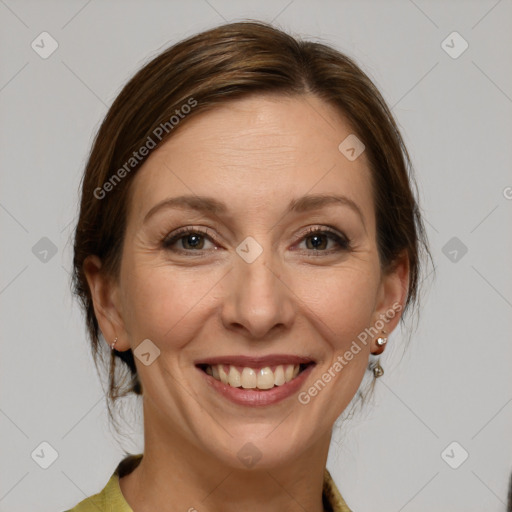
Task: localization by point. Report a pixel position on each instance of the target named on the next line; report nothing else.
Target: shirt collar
(331, 497)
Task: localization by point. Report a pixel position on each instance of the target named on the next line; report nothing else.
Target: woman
(248, 239)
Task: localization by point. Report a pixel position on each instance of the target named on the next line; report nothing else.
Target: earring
(113, 343)
(381, 340)
(378, 371)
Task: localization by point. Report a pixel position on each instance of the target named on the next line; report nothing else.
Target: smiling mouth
(245, 377)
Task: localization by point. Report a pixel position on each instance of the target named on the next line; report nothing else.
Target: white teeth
(222, 374)
(234, 377)
(279, 376)
(248, 378)
(265, 378)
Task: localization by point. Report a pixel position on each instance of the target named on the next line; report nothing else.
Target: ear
(392, 293)
(107, 306)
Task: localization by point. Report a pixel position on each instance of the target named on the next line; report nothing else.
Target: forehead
(252, 152)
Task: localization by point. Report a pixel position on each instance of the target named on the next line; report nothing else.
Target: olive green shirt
(111, 499)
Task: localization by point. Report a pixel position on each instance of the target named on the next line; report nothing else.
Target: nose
(257, 303)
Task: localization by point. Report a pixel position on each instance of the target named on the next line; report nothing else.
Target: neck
(175, 475)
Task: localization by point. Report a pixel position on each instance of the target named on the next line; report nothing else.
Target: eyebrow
(213, 206)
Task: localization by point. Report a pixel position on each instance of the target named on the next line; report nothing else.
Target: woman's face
(257, 290)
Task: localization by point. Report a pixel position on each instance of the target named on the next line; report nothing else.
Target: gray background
(452, 384)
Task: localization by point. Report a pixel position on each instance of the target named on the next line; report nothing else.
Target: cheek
(162, 302)
(343, 300)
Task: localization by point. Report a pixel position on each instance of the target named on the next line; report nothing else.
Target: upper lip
(257, 362)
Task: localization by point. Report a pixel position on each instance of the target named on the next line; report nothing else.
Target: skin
(256, 154)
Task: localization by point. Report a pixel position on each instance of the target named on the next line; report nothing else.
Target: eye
(191, 237)
(193, 240)
(320, 238)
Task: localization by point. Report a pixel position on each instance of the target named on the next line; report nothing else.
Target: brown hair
(211, 68)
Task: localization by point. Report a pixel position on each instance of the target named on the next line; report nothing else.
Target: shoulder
(95, 503)
(331, 497)
(110, 498)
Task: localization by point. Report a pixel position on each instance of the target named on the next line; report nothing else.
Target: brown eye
(317, 240)
(191, 239)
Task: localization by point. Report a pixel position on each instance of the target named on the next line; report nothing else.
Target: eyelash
(343, 242)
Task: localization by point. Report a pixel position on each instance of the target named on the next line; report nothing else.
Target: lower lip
(255, 398)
